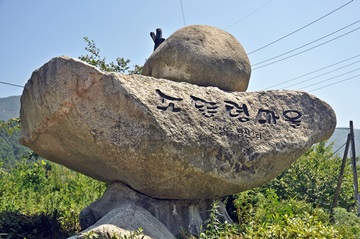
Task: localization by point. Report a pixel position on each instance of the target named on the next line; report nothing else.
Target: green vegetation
(313, 179)
(11, 151)
(137, 234)
(94, 58)
(296, 204)
(40, 199)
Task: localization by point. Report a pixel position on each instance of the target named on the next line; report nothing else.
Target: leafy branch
(94, 59)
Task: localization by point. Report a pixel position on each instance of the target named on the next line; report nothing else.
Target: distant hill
(339, 139)
(9, 107)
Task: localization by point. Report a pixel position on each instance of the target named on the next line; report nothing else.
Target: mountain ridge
(9, 107)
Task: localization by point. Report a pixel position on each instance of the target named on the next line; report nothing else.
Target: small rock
(110, 231)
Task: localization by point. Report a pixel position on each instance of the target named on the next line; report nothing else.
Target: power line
(6, 83)
(323, 68)
(301, 28)
(182, 10)
(329, 79)
(337, 149)
(311, 48)
(328, 72)
(332, 33)
(334, 83)
(257, 9)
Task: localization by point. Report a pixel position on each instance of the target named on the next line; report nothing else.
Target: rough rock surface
(125, 208)
(201, 55)
(110, 231)
(166, 139)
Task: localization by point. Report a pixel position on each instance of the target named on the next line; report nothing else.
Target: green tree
(313, 178)
(36, 192)
(268, 216)
(11, 150)
(94, 58)
(297, 203)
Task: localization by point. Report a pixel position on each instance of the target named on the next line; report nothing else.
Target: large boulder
(163, 138)
(201, 55)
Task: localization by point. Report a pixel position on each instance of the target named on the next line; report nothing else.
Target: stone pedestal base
(122, 210)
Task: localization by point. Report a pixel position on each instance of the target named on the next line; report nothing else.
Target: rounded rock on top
(201, 55)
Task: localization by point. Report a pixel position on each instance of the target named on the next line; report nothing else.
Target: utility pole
(342, 169)
(350, 142)
(353, 162)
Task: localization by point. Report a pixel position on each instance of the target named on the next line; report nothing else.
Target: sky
(312, 45)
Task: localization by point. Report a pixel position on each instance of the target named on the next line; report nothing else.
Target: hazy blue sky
(33, 32)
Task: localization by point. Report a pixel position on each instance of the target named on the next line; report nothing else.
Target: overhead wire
(6, 83)
(337, 150)
(312, 72)
(311, 48)
(182, 10)
(328, 72)
(301, 28)
(251, 13)
(309, 43)
(331, 78)
(337, 82)
(273, 42)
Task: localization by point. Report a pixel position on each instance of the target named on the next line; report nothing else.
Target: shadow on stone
(159, 218)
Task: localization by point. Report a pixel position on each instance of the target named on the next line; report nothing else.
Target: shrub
(16, 225)
(38, 191)
(347, 223)
(269, 217)
(313, 178)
